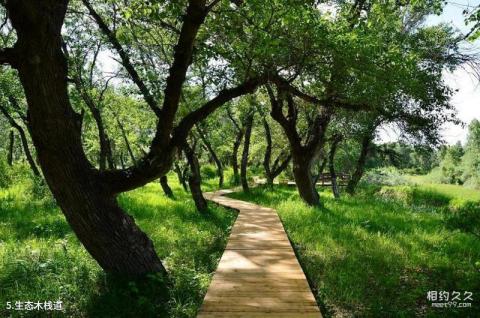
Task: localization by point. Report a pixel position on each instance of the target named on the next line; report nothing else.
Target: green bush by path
(41, 260)
(372, 256)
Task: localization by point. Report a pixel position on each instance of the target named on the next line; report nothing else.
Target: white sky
(467, 99)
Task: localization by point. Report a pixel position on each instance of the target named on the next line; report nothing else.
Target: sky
(467, 99)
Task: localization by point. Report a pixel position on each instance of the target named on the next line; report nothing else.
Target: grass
(375, 256)
(449, 190)
(41, 259)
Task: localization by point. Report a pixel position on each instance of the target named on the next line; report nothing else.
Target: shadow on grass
(40, 258)
(121, 296)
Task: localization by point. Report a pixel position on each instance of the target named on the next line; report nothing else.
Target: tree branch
(126, 62)
(181, 131)
(194, 18)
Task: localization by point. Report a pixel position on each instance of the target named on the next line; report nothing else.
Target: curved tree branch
(126, 62)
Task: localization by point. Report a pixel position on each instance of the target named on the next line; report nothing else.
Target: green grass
(450, 190)
(369, 256)
(41, 259)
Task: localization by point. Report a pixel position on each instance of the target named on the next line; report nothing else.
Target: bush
(384, 176)
(413, 195)
(208, 171)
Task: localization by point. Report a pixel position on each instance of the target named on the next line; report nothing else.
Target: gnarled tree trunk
(23, 139)
(303, 178)
(108, 233)
(181, 176)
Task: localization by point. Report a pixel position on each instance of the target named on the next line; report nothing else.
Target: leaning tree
(86, 195)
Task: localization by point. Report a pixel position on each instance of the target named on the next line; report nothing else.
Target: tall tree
(86, 195)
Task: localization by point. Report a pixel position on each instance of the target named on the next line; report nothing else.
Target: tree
(86, 195)
(246, 148)
(280, 163)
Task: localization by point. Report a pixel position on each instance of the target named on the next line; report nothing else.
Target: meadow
(379, 253)
(376, 254)
(41, 259)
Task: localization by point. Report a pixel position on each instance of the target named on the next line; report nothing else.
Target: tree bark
(360, 166)
(165, 187)
(303, 178)
(109, 235)
(331, 160)
(246, 150)
(11, 144)
(195, 178)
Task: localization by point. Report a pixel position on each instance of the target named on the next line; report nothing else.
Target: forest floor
(41, 259)
(378, 254)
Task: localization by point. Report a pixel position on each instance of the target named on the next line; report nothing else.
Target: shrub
(384, 176)
(208, 171)
(413, 195)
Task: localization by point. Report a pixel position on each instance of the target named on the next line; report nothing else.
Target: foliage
(208, 171)
(384, 176)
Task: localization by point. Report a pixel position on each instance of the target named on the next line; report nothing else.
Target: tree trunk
(303, 178)
(195, 179)
(10, 148)
(26, 150)
(268, 154)
(165, 187)
(214, 156)
(181, 177)
(105, 150)
(109, 235)
(359, 169)
(236, 146)
(246, 149)
(23, 139)
(331, 160)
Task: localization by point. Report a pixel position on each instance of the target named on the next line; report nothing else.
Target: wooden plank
(258, 274)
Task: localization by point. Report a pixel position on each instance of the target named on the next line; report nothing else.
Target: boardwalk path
(258, 274)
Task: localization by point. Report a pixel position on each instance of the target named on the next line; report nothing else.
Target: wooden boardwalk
(258, 274)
